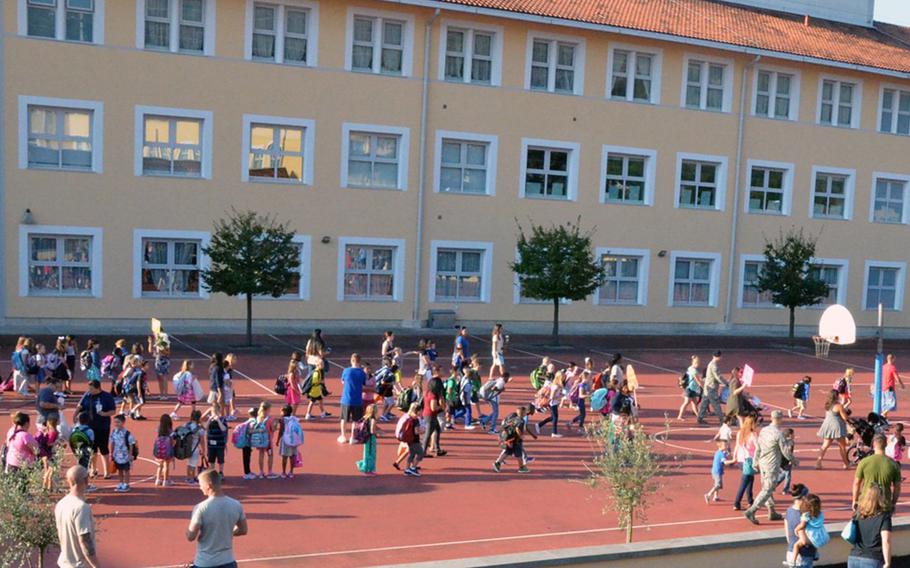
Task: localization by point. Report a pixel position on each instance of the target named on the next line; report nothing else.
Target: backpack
(404, 399)
(259, 435)
(162, 449)
(362, 432)
(508, 431)
(574, 392)
(281, 384)
(131, 382)
(32, 367)
(217, 437)
(240, 437)
(135, 451)
(401, 427)
(536, 380)
(80, 443)
(486, 391)
(840, 385)
(293, 433)
(798, 390)
(184, 445)
(16, 361)
(683, 381)
(60, 372)
(307, 385)
(85, 360)
(542, 398)
(107, 366)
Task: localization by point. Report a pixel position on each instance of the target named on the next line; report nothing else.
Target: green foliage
(250, 255)
(628, 468)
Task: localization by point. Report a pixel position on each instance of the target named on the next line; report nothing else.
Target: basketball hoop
(822, 346)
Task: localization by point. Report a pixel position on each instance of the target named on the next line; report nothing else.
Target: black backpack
(184, 445)
(281, 384)
(217, 437)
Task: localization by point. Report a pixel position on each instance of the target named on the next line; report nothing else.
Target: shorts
(194, 459)
(213, 396)
(499, 360)
(162, 364)
(123, 466)
(718, 481)
(351, 413)
(216, 455)
(71, 364)
(227, 394)
(102, 439)
(314, 398)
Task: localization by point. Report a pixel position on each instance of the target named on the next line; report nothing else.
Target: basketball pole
(879, 361)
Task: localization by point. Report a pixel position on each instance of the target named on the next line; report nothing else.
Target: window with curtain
(171, 267)
(773, 94)
(373, 160)
(172, 146)
(277, 152)
(830, 275)
(705, 85)
(378, 45)
(280, 33)
(459, 274)
(631, 77)
(369, 272)
(837, 105)
(751, 296)
(469, 56)
(59, 265)
(59, 138)
(692, 282)
(882, 287)
(78, 17)
(192, 26)
(463, 166)
(698, 184)
(176, 25)
(623, 278)
(553, 65)
(888, 206)
(895, 117)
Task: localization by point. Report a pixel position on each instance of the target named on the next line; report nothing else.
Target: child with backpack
(90, 361)
(47, 439)
(787, 465)
(216, 438)
(261, 438)
(800, 397)
(466, 397)
(894, 449)
(452, 397)
(230, 361)
(163, 451)
(511, 432)
(290, 438)
(123, 452)
(240, 437)
(82, 440)
(315, 393)
(367, 465)
(187, 387)
(386, 381)
(811, 528)
(844, 388)
(407, 431)
(187, 444)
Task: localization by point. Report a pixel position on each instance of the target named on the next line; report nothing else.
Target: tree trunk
(556, 321)
(249, 320)
(629, 520)
(792, 324)
(41, 558)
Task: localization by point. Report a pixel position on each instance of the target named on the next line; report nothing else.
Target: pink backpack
(163, 449)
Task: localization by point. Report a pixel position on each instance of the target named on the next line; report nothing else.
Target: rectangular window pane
(41, 21)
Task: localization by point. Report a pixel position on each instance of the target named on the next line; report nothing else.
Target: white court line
(303, 349)
(241, 373)
(674, 371)
(838, 361)
(517, 350)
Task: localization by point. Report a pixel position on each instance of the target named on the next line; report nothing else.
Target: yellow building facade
(402, 143)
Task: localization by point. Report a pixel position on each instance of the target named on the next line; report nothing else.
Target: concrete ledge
(759, 549)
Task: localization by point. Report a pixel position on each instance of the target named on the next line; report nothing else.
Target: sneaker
(284, 476)
(789, 413)
(496, 466)
(410, 472)
(537, 428)
(126, 488)
(290, 476)
(307, 417)
(325, 414)
(716, 499)
(91, 488)
(272, 476)
(440, 453)
(249, 476)
(523, 469)
(341, 439)
(174, 416)
(775, 516)
(707, 498)
(470, 427)
(260, 476)
(139, 417)
(157, 482)
(556, 435)
(167, 483)
(530, 460)
(800, 417)
(494, 431)
(119, 488)
(397, 466)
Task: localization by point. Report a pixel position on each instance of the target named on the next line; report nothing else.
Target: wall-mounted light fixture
(28, 218)
(662, 253)
(326, 239)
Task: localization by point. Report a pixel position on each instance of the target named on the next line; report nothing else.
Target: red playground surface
(331, 515)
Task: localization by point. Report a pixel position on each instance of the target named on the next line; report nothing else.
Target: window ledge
(378, 300)
(439, 300)
(712, 111)
(564, 93)
(67, 41)
(838, 126)
(33, 294)
(760, 307)
(620, 304)
(769, 213)
(629, 203)
(368, 188)
(633, 101)
(700, 306)
(272, 181)
(282, 64)
(820, 218)
(695, 208)
(547, 198)
(466, 193)
(64, 170)
(774, 118)
(171, 176)
(163, 297)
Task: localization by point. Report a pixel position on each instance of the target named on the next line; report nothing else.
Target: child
(315, 394)
(193, 462)
(725, 433)
(452, 397)
(896, 444)
(186, 385)
(216, 437)
(82, 440)
(721, 459)
(230, 361)
(800, 397)
(290, 437)
(241, 438)
(261, 437)
(408, 433)
(786, 466)
(163, 451)
(123, 446)
(159, 345)
(385, 389)
(466, 396)
(367, 465)
(844, 388)
(791, 521)
(811, 527)
(47, 440)
(510, 440)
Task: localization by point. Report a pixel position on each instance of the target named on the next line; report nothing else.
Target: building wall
(121, 76)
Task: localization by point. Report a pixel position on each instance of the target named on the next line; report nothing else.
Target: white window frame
(306, 254)
(714, 283)
(486, 270)
(492, 142)
(727, 103)
(312, 31)
(97, 110)
(899, 283)
(404, 137)
(849, 190)
(60, 23)
(578, 84)
(795, 83)
(657, 55)
(843, 274)
(787, 200)
(740, 302)
(905, 213)
(309, 147)
(644, 256)
(470, 28)
(573, 148)
(407, 40)
(97, 261)
(397, 272)
(205, 116)
(720, 198)
(518, 299)
(208, 41)
(857, 109)
(894, 113)
(204, 239)
(650, 173)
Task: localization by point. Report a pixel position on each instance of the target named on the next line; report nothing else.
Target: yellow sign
(156, 326)
(631, 379)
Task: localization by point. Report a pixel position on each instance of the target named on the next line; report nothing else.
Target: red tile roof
(883, 46)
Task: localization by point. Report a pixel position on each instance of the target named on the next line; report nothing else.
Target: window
(466, 163)
(839, 103)
(751, 297)
(830, 274)
(769, 187)
(832, 195)
(633, 75)
(60, 134)
(298, 287)
(470, 55)
(895, 117)
(185, 26)
(278, 149)
(555, 64)
(776, 94)
(70, 20)
(284, 32)
(171, 267)
(374, 157)
(694, 280)
(173, 142)
(707, 85)
(701, 181)
(459, 274)
(888, 198)
(379, 42)
(369, 272)
(885, 285)
(59, 261)
(549, 170)
(623, 283)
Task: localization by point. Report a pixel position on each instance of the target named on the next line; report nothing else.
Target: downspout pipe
(421, 168)
(737, 188)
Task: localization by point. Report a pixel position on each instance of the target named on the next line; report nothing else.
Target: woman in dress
(496, 345)
(833, 429)
(735, 405)
(692, 391)
(292, 396)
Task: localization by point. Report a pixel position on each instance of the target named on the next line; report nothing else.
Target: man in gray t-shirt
(215, 523)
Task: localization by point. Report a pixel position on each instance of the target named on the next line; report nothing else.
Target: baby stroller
(752, 406)
(861, 432)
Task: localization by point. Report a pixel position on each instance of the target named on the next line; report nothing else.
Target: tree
(251, 255)
(27, 523)
(556, 263)
(628, 469)
(789, 273)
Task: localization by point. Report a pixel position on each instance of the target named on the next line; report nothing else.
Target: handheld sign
(631, 378)
(156, 326)
(748, 374)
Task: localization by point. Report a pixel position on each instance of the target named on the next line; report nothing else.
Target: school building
(403, 139)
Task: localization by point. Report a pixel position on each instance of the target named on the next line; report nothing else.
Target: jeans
(582, 413)
(553, 417)
(432, 426)
(785, 475)
(493, 418)
(711, 397)
(467, 414)
(745, 484)
(857, 562)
